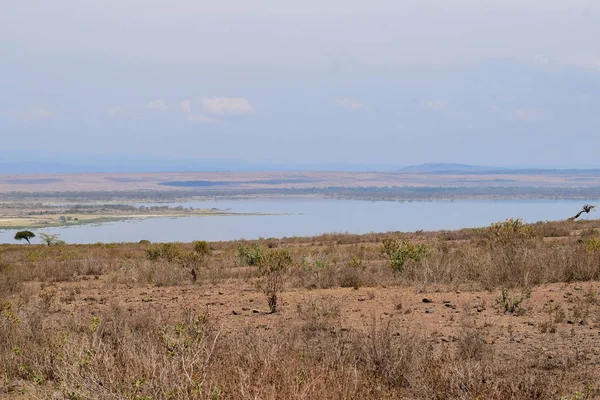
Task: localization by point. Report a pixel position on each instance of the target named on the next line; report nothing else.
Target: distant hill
(441, 168)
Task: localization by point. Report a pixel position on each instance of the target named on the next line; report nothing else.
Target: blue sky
(318, 84)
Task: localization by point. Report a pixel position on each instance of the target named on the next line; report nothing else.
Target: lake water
(313, 216)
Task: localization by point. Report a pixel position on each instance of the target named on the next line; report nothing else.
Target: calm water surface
(305, 217)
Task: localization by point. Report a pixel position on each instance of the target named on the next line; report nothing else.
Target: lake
(313, 216)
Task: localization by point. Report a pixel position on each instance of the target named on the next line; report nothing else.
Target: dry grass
(50, 348)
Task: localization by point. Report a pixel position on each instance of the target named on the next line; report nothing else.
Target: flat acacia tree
(24, 235)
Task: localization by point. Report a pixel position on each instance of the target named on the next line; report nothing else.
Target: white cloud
(586, 61)
(206, 109)
(352, 105)
(436, 105)
(35, 113)
(224, 106)
(542, 58)
(186, 107)
(157, 105)
(118, 111)
(527, 114)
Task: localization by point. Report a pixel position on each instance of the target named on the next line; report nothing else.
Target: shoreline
(36, 224)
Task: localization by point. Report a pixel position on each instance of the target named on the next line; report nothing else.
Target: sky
(312, 84)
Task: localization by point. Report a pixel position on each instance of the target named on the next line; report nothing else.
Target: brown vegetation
(507, 312)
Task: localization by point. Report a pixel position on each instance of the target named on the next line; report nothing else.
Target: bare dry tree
(586, 209)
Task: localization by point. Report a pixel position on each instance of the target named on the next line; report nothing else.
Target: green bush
(592, 244)
(163, 251)
(399, 251)
(250, 255)
(510, 232)
(275, 261)
(201, 247)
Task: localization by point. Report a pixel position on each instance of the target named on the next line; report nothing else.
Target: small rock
(245, 308)
(220, 292)
(256, 311)
(235, 312)
(457, 292)
(361, 299)
(582, 322)
(446, 301)
(480, 309)
(429, 311)
(570, 322)
(426, 300)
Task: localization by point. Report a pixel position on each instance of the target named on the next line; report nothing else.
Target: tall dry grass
(149, 356)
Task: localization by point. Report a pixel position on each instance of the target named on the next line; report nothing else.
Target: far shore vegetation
(385, 193)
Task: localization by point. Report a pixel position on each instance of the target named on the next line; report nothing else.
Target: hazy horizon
(235, 166)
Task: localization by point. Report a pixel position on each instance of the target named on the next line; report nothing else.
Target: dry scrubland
(508, 312)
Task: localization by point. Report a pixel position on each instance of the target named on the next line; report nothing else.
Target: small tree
(24, 235)
(272, 265)
(50, 239)
(586, 209)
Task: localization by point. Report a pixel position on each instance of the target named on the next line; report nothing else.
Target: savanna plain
(511, 311)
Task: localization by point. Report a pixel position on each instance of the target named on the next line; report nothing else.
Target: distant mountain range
(436, 168)
(466, 169)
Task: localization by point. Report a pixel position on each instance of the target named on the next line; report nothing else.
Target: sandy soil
(439, 313)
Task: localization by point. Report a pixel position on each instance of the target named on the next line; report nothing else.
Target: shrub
(166, 251)
(272, 266)
(511, 304)
(592, 244)
(201, 247)
(509, 242)
(399, 251)
(250, 255)
(511, 231)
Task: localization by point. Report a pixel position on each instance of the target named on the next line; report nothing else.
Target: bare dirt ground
(439, 313)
